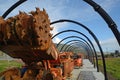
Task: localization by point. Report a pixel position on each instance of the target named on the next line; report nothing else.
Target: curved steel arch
(69, 45)
(13, 7)
(75, 37)
(102, 54)
(78, 41)
(78, 38)
(111, 24)
(73, 31)
(71, 37)
(92, 34)
(96, 57)
(72, 46)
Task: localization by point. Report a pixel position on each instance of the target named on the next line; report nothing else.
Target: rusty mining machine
(27, 37)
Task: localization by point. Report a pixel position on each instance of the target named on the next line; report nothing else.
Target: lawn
(113, 67)
(4, 64)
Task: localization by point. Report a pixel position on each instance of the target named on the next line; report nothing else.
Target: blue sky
(76, 10)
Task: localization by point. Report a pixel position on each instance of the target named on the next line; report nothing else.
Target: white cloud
(108, 45)
(108, 41)
(56, 28)
(56, 40)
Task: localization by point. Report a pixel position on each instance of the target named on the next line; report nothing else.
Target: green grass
(4, 64)
(113, 67)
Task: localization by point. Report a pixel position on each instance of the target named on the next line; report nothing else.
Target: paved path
(86, 75)
(87, 72)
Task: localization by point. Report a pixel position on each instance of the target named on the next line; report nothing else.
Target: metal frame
(13, 7)
(92, 48)
(66, 49)
(75, 44)
(102, 54)
(93, 35)
(111, 24)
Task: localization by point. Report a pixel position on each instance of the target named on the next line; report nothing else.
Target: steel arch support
(102, 54)
(111, 24)
(96, 57)
(66, 48)
(13, 7)
(72, 44)
(89, 56)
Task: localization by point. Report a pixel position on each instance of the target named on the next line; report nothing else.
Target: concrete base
(86, 72)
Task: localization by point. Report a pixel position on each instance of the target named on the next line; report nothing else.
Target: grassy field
(113, 67)
(4, 64)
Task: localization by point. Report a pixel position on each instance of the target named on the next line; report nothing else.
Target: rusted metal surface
(11, 74)
(78, 60)
(67, 63)
(27, 36)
